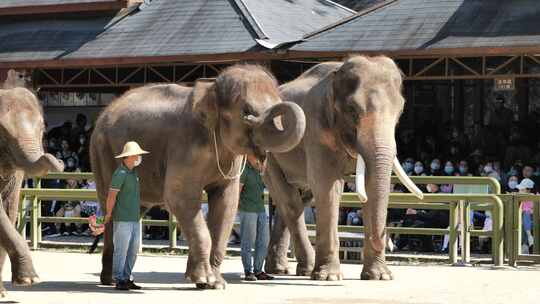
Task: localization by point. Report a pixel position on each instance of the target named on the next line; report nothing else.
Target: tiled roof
(169, 28)
(433, 24)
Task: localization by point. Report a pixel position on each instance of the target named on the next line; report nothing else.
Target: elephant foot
(273, 266)
(23, 274)
(327, 272)
(25, 281)
(218, 284)
(304, 270)
(203, 276)
(3, 291)
(376, 270)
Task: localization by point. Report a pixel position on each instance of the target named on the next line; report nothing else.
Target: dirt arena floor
(73, 277)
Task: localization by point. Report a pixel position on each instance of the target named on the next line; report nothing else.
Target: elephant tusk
(406, 180)
(361, 178)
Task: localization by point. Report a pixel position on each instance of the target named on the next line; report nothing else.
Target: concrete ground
(72, 277)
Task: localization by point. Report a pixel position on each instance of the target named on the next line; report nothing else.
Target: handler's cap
(526, 183)
(131, 148)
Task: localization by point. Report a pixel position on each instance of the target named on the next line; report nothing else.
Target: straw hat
(131, 148)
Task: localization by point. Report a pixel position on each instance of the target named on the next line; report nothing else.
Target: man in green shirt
(123, 208)
(253, 222)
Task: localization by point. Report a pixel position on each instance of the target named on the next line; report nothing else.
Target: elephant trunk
(280, 128)
(29, 156)
(378, 149)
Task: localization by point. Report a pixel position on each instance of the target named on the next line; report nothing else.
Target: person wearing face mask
(511, 186)
(418, 169)
(435, 167)
(408, 166)
(463, 168)
(123, 209)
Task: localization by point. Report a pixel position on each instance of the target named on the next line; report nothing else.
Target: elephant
(197, 138)
(21, 152)
(351, 109)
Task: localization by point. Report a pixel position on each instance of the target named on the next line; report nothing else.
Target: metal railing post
(507, 209)
(497, 241)
(35, 230)
(22, 216)
(173, 231)
(39, 224)
(536, 227)
(453, 225)
(516, 231)
(466, 233)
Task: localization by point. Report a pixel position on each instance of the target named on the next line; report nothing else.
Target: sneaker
(65, 233)
(263, 276)
(122, 285)
(250, 276)
(132, 285)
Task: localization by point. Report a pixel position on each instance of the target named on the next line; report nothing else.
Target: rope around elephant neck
(229, 174)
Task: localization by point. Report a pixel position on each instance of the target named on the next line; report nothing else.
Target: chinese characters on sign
(504, 84)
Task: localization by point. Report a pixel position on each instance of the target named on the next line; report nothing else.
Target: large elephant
(351, 109)
(197, 138)
(21, 152)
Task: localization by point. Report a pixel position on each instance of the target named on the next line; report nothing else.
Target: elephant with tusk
(351, 109)
(198, 138)
(21, 152)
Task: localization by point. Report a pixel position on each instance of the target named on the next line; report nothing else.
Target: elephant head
(364, 106)
(243, 105)
(21, 133)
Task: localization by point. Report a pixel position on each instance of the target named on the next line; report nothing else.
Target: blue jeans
(253, 233)
(126, 240)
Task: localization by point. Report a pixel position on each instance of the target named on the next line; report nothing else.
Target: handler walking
(123, 208)
(253, 222)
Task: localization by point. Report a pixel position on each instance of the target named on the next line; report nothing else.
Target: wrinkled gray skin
(351, 107)
(21, 152)
(175, 124)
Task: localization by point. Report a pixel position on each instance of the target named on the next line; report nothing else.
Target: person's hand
(410, 211)
(107, 219)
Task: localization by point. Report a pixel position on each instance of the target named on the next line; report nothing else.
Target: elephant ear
(204, 102)
(330, 101)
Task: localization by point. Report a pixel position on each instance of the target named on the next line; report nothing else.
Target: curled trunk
(29, 156)
(271, 137)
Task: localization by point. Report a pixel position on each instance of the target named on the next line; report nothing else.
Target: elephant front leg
(222, 207)
(276, 260)
(327, 197)
(187, 209)
(374, 261)
(22, 268)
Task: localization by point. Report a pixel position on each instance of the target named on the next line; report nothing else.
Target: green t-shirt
(252, 195)
(128, 199)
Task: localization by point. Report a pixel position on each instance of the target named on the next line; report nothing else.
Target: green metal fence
(457, 204)
(514, 219)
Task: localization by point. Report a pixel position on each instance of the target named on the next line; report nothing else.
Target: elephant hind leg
(291, 209)
(12, 243)
(276, 260)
